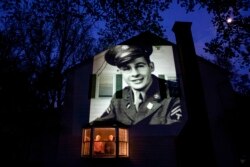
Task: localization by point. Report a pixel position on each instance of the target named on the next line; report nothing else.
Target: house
(200, 140)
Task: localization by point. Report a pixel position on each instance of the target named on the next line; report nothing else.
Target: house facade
(199, 140)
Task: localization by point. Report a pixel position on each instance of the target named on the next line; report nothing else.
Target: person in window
(147, 99)
(110, 145)
(98, 145)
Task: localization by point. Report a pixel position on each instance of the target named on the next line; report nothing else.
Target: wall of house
(219, 99)
(207, 97)
(74, 116)
(162, 57)
(196, 134)
(149, 146)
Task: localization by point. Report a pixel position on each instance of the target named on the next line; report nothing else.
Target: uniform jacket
(158, 107)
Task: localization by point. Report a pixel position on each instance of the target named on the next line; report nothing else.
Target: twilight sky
(202, 27)
(202, 30)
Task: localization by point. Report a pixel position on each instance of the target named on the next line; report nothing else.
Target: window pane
(123, 134)
(161, 76)
(110, 146)
(104, 142)
(86, 148)
(85, 142)
(123, 142)
(172, 78)
(123, 149)
(87, 135)
(105, 86)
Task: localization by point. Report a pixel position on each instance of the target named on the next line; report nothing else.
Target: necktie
(138, 101)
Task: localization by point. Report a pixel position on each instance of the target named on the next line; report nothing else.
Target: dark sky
(202, 27)
(202, 30)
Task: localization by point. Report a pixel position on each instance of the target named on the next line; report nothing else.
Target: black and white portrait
(136, 85)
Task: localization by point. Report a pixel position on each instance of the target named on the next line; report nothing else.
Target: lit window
(100, 142)
(86, 142)
(123, 142)
(104, 142)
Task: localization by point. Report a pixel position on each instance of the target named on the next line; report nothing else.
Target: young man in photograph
(147, 99)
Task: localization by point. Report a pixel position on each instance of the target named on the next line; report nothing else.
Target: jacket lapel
(149, 107)
(128, 104)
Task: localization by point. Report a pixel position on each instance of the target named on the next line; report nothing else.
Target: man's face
(111, 137)
(137, 73)
(97, 138)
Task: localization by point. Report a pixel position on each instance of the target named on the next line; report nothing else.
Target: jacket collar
(150, 105)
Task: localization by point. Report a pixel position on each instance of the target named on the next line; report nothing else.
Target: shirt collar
(143, 92)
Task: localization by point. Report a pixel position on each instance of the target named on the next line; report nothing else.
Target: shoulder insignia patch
(176, 113)
(108, 110)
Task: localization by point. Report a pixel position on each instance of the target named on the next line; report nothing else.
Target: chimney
(196, 133)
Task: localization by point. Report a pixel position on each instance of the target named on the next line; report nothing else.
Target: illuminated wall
(108, 79)
(153, 145)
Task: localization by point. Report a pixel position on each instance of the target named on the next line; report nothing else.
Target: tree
(231, 44)
(51, 37)
(121, 20)
(40, 40)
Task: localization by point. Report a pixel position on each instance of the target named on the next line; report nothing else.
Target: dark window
(92, 86)
(118, 85)
(105, 86)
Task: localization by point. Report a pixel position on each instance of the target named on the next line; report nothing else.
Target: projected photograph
(136, 85)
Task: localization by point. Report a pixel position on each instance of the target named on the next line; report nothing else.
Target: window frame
(87, 146)
(99, 85)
